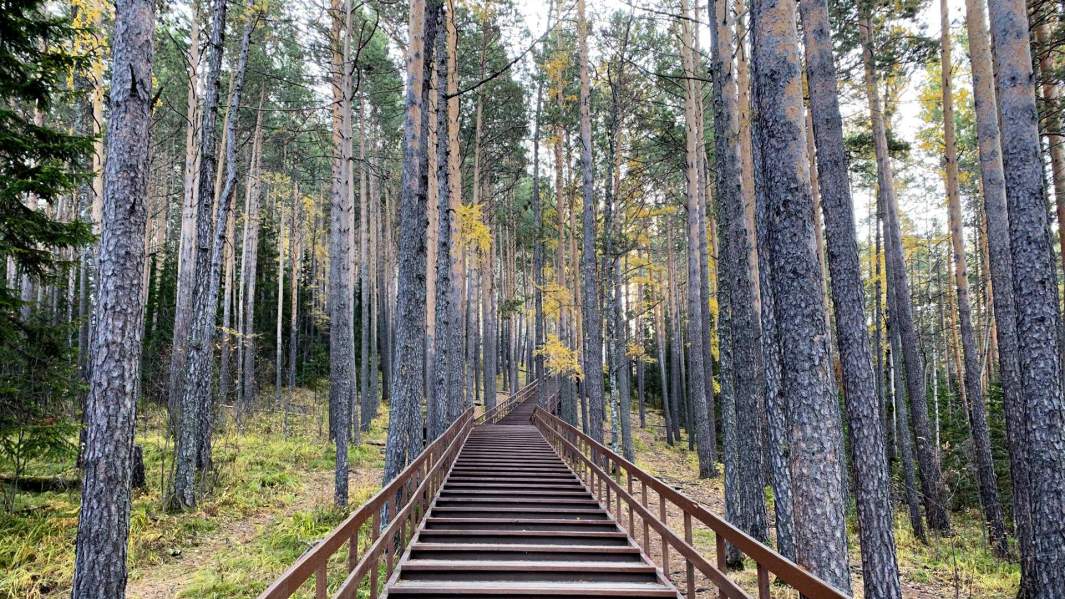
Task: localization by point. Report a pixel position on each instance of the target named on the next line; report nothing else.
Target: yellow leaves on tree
(474, 234)
(559, 359)
(555, 297)
(88, 18)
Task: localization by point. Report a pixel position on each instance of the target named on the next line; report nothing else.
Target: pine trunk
(806, 381)
(1036, 293)
(872, 489)
(103, 525)
(899, 293)
(1001, 270)
(978, 428)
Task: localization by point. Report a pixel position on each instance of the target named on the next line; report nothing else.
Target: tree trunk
(440, 397)
(369, 402)
(872, 489)
(1035, 288)
(981, 436)
(899, 293)
(249, 269)
(187, 245)
(744, 332)
(699, 416)
(806, 381)
(593, 342)
(404, 426)
(1001, 269)
(103, 525)
(192, 450)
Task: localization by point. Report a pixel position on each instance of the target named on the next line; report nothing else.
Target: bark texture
(927, 452)
(1035, 291)
(593, 334)
(1001, 269)
(814, 435)
(872, 489)
(103, 525)
(404, 425)
(974, 388)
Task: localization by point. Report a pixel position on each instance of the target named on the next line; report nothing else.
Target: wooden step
(538, 524)
(482, 536)
(526, 552)
(519, 512)
(503, 590)
(515, 571)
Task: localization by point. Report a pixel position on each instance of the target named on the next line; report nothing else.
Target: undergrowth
(259, 469)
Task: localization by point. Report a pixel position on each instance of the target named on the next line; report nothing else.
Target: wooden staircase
(501, 506)
(513, 520)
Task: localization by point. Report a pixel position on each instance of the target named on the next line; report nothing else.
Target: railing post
(320, 582)
(646, 525)
(763, 582)
(719, 542)
(689, 567)
(665, 545)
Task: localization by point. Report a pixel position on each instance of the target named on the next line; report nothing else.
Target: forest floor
(960, 566)
(271, 499)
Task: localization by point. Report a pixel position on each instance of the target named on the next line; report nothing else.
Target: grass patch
(257, 470)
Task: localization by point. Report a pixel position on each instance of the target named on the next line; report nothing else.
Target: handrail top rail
(300, 571)
(791, 573)
(397, 519)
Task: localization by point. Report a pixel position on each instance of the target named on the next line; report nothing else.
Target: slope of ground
(958, 566)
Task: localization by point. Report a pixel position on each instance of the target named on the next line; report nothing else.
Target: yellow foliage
(555, 297)
(637, 352)
(559, 359)
(89, 40)
(473, 232)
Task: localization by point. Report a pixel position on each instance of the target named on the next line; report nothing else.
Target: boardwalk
(519, 503)
(513, 519)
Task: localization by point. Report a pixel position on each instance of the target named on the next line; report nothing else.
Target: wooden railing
(501, 409)
(399, 507)
(616, 481)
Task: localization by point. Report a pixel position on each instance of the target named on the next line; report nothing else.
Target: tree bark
(978, 428)
(193, 443)
(103, 525)
(872, 492)
(1001, 269)
(807, 383)
(404, 425)
(249, 268)
(187, 245)
(593, 341)
(699, 419)
(927, 453)
(744, 329)
(1035, 289)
